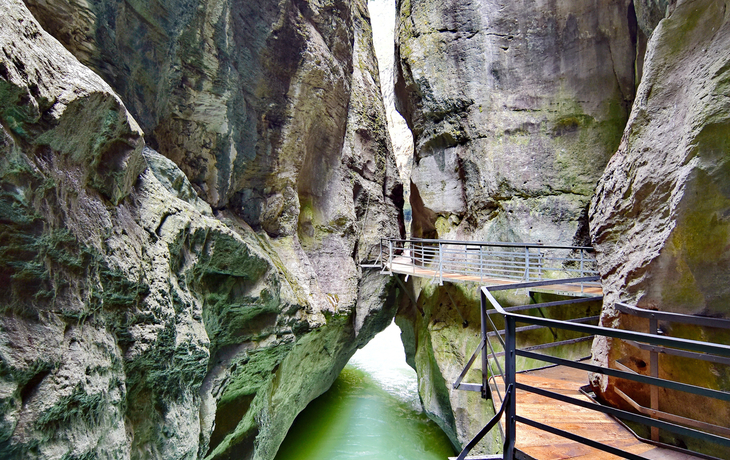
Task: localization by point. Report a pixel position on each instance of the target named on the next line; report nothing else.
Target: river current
(372, 412)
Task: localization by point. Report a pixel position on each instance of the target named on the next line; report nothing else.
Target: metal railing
(481, 261)
(707, 351)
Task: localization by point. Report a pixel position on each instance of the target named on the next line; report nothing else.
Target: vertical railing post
(654, 372)
(481, 263)
(510, 365)
(581, 269)
(390, 255)
(465, 267)
(413, 251)
(527, 263)
(380, 255)
(486, 392)
(441, 266)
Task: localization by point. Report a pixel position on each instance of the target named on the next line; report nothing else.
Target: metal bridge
(492, 263)
(569, 422)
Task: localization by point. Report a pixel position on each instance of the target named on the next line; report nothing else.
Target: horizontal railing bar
(673, 418)
(721, 395)
(586, 319)
(559, 343)
(550, 282)
(546, 262)
(685, 344)
(574, 437)
(705, 321)
(487, 243)
(627, 415)
(549, 304)
(469, 387)
(682, 353)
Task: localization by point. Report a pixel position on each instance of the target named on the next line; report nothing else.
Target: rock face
(659, 220)
(515, 108)
(383, 19)
(190, 304)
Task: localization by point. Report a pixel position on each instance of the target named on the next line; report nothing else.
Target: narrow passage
(371, 412)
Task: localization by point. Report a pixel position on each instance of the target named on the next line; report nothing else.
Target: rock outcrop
(515, 107)
(659, 219)
(187, 303)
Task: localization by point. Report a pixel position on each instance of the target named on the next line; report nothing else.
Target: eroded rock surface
(515, 108)
(140, 320)
(660, 216)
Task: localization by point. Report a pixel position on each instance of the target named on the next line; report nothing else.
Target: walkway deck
(541, 445)
(405, 266)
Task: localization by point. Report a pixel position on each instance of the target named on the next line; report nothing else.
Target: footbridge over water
(551, 412)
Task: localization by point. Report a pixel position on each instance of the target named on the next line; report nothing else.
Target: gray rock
(525, 102)
(136, 321)
(515, 108)
(659, 217)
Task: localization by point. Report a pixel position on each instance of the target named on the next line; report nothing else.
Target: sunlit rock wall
(515, 107)
(659, 220)
(187, 303)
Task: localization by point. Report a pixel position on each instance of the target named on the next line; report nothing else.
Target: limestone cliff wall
(659, 217)
(515, 107)
(187, 303)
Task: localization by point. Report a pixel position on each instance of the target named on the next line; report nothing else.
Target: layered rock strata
(515, 108)
(190, 304)
(659, 219)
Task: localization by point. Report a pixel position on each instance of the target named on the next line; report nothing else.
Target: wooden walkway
(541, 445)
(405, 266)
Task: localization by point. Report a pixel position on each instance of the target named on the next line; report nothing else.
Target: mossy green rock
(440, 334)
(136, 320)
(659, 219)
(515, 112)
(516, 109)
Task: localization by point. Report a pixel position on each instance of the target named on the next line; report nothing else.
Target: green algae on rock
(139, 321)
(658, 219)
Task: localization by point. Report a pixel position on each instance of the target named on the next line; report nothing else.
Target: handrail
(654, 340)
(507, 262)
(489, 243)
(705, 321)
(483, 432)
(489, 378)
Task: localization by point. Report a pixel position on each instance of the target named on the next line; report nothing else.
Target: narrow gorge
(189, 190)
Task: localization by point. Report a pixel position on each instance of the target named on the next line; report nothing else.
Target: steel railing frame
(485, 260)
(509, 410)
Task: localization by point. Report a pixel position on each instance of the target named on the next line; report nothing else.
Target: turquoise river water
(371, 412)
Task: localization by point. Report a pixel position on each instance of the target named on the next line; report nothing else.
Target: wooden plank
(581, 421)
